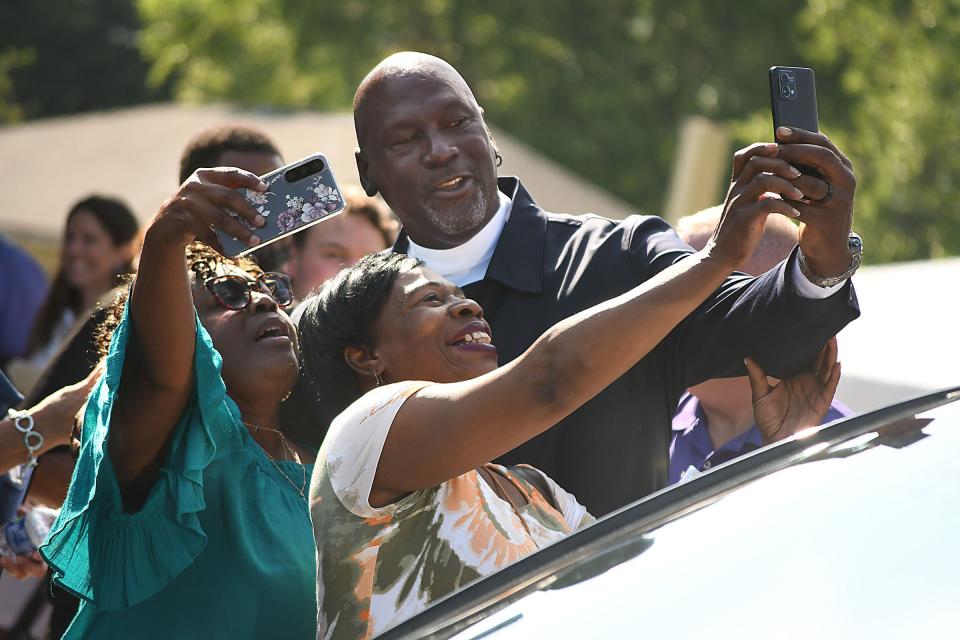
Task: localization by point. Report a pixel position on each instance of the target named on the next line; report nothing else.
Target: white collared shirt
(468, 262)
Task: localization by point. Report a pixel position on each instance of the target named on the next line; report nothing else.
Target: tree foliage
(61, 57)
(599, 85)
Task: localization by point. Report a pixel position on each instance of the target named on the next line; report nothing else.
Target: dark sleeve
(72, 363)
(762, 317)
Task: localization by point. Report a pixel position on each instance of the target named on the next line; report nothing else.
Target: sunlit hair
(203, 263)
(344, 314)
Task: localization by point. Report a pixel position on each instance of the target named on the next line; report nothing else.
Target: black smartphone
(298, 196)
(793, 98)
(793, 101)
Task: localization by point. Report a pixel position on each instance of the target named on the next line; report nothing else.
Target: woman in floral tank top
(406, 507)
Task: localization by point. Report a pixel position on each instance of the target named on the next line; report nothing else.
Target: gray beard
(461, 221)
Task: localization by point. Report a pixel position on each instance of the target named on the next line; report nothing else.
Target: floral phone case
(298, 196)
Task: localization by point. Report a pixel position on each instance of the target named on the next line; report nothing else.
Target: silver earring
(499, 158)
(376, 376)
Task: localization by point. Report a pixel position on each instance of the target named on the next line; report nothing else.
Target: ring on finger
(826, 197)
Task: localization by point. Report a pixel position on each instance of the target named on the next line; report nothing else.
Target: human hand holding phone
(296, 196)
(826, 179)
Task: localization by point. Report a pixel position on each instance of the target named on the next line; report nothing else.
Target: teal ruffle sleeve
(222, 546)
(114, 559)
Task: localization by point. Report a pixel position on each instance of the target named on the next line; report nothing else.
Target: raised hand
(202, 204)
(759, 177)
(796, 403)
(826, 208)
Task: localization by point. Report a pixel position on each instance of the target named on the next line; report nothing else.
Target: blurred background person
(99, 244)
(715, 420)
(366, 225)
(244, 147)
(23, 292)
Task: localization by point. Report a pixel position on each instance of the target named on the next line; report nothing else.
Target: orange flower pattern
(378, 566)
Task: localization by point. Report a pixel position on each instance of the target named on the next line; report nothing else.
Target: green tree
(602, 85)
(61, 57)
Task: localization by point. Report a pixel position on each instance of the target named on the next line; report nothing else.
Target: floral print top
(376, 567)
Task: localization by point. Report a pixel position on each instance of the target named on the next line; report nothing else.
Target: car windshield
(847, 515)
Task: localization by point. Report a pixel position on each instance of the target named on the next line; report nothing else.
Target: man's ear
(363, 168)
(364, 361)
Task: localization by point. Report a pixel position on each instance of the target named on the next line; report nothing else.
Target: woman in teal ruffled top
(186, 515)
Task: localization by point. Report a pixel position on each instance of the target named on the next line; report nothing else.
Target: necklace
(293, 458)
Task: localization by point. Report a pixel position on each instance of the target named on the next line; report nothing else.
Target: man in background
(318, 253)
(425, 147)
(715, 420)
(244, 147)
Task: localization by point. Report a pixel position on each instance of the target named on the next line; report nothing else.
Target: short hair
(779, 238)
(344, 314)
(373, 210)
(205, 149)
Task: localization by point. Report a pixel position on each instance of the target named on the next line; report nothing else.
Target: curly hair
(202, 262)
(344, 314)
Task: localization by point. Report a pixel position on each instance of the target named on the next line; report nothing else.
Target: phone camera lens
(785, 91)
(784, 77)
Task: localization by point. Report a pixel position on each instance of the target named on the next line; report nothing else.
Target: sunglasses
(233, 292)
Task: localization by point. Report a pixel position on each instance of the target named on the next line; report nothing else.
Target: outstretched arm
(446, 430)
(158, 370)
(52, 418)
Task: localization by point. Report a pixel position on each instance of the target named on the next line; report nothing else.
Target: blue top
(24, 290)
(223, 545)
(691, 445)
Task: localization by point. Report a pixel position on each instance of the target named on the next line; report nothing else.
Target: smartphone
(298, 196)
(793, 98)
(793, 101)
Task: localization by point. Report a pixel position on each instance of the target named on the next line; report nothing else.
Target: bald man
(715, 420)
(425, 147)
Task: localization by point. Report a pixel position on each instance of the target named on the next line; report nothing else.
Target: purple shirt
(690, 445)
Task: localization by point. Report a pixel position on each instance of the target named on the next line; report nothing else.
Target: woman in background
(99, 244)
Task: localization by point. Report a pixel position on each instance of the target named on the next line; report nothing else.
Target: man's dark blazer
(547, 267)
